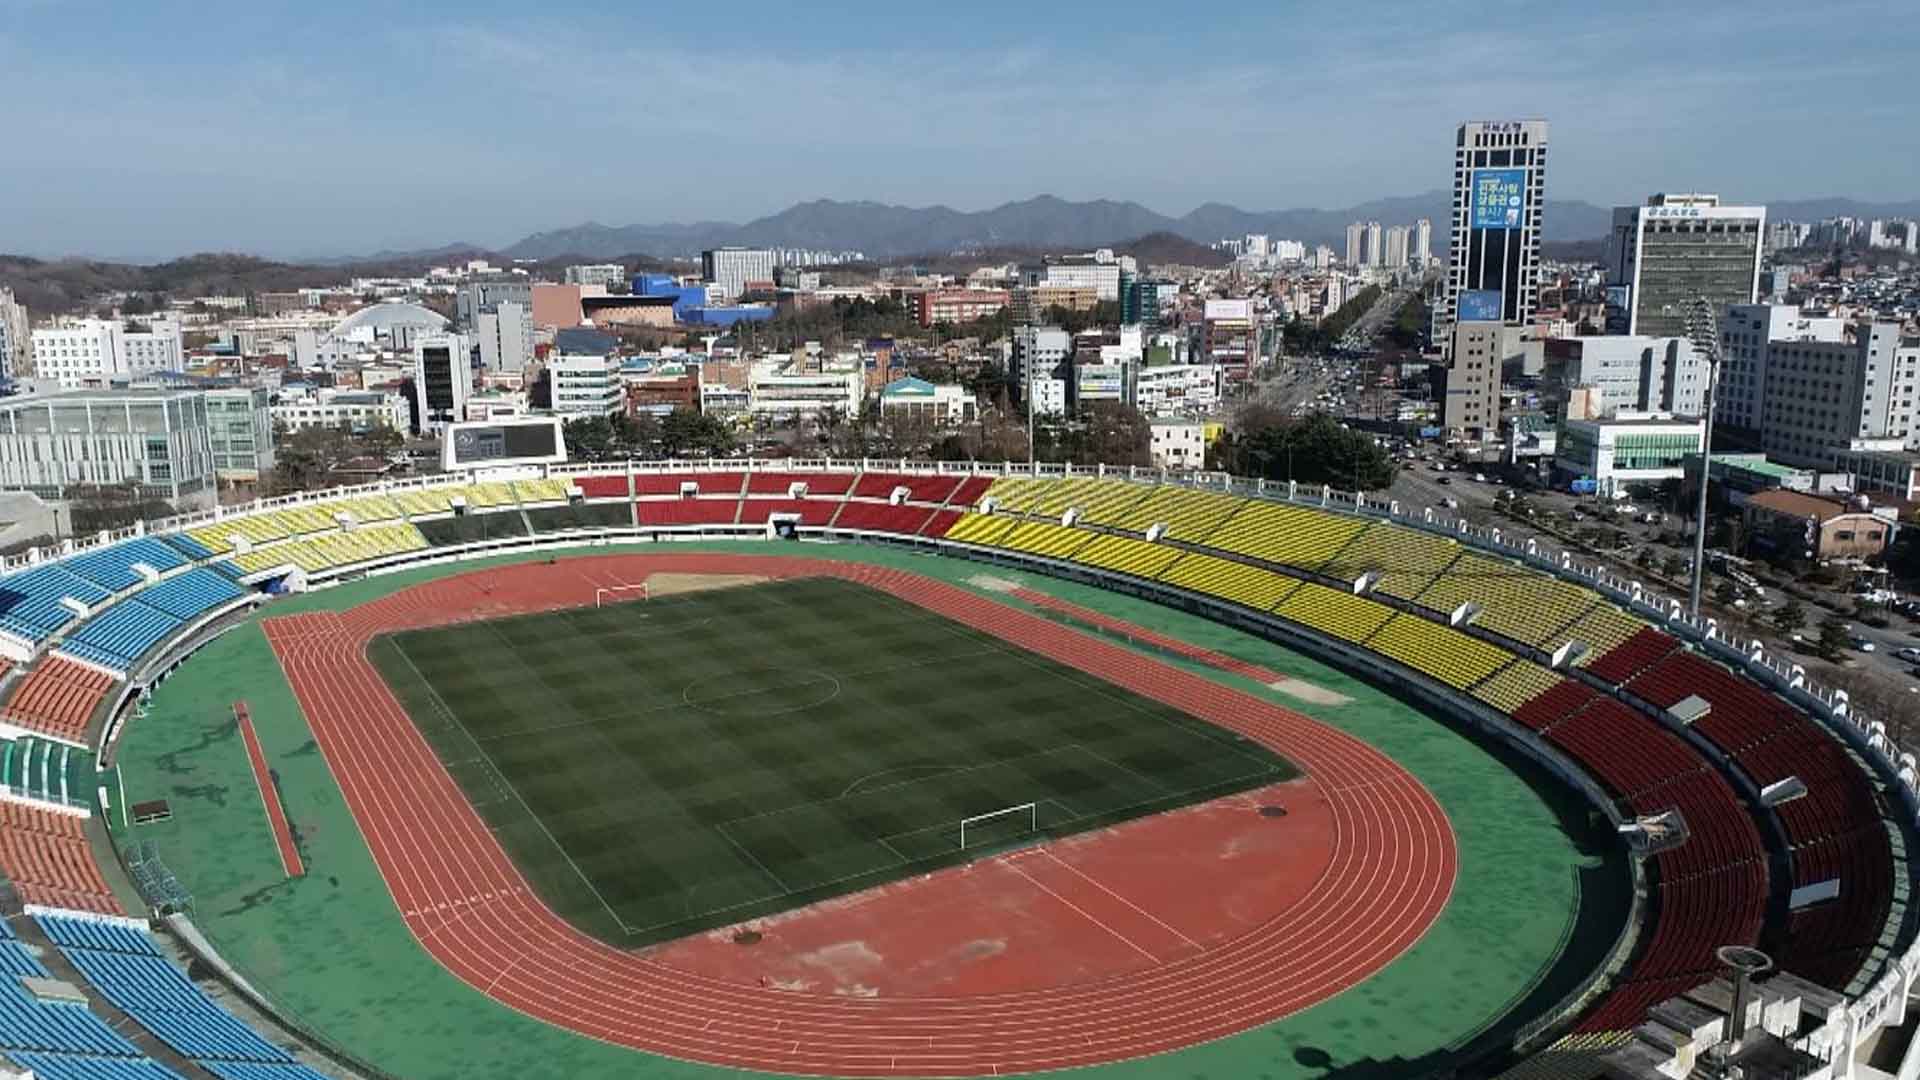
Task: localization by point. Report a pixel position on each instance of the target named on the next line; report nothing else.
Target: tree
(1834, 639)
(1789, 617)
(1726, 593)
(1673, 567)
(1313, 450)
(1646, 560)
(686, 433)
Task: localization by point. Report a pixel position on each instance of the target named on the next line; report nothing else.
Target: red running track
(1391, 873)
(269, 796)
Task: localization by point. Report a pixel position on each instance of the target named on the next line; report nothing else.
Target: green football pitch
(658, 767)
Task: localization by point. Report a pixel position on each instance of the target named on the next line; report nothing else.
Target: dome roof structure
(383, 318)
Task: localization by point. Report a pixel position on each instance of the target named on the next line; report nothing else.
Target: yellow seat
(1406, 560)
(1457, 659)
(1249, 586)
(1127, 555)
(1524, 604)
(1515, 685)
(1342, 614)
(1293, 535)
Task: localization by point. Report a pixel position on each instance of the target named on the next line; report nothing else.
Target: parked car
(1909, 654)
(1444, 481)
(1861, 644)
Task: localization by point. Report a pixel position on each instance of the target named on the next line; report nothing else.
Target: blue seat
(128, 971)
(187, 545)
(16, 960)
(112, 567)
(30, 600)
(186, 595)
(51, 1066)
(121, 634)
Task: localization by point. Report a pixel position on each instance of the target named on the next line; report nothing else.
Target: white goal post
(606, 594)
(1033, 819)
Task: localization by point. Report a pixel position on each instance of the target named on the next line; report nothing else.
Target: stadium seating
(812, 511)
(1189, 515)
(1406, 561)
(120, 635)
(471, 527)
(602, 487)
(485, 496)
(57, 698)
(941, 522)
(126, 967)
(544, 490)
(1018, 494)
(30, 605)
(984, 529)
(1440, 651)
(879, 517)
(1127, 555)
(1248, 586)
(1108, 501)
(554, 519)
(112, 567)
(1342, 614)
(1518, 603)
(45, 854)
(1632, 655)
(1558, 702)
(1044, 538)
(187, 595)
(819, 485)
(28, 1024)
(1516, 685)
(330, 550)
(927, 489)
(687, 512)
(969, 491)
(1289, 535)
(367, 509)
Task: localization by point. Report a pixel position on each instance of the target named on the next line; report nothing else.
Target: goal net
(995, 826)
(614, 594)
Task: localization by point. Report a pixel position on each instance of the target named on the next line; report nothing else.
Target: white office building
(95, 353)
(1177, 444)
(941, 403)
(1747, 335)
(506, 337)
(156, 441)
(585, 385)
(1177, 389)
(240, 432)
(1824, 398)
(1039, 352)
(792, 395)
(1622, 451)
(1630, 373)
(1675, 250)
(727, 270)
(355, 410)
(1077, 272)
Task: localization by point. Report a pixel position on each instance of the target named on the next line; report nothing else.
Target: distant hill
(1047, 222)
(1163, 248)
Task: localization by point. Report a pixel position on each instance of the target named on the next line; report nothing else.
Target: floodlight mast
(1703, 332)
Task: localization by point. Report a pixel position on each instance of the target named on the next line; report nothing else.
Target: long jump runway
(1391, 869)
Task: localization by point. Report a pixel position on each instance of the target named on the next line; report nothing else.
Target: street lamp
(1703, 332)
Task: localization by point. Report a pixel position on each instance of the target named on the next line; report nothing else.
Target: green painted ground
(332, 950)
(632, 757)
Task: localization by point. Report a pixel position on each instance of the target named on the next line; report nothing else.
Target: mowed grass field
(658, 767)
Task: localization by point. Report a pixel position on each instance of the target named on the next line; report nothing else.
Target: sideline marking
(269, 797)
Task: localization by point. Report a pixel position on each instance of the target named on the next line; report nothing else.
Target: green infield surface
(662, 766)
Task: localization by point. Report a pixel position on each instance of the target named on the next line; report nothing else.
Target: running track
(1390, 876)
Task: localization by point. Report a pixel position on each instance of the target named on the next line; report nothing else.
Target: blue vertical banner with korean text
(1499, 198)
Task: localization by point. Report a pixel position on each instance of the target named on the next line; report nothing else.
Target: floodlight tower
(1703, 332)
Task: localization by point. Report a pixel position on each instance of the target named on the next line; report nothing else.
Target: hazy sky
(157, 128)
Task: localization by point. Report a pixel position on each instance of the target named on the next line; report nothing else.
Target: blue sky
(160, 127)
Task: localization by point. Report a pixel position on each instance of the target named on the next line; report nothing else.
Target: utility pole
(1703, 332)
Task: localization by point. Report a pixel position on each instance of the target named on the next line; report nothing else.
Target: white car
(1909, 654)
(1861, 644)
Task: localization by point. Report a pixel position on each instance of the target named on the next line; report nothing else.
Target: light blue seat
(112, 567)
(186, 595)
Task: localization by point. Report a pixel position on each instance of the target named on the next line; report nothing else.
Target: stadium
(877, 768)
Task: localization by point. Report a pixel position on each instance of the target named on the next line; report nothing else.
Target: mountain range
(884, 231)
